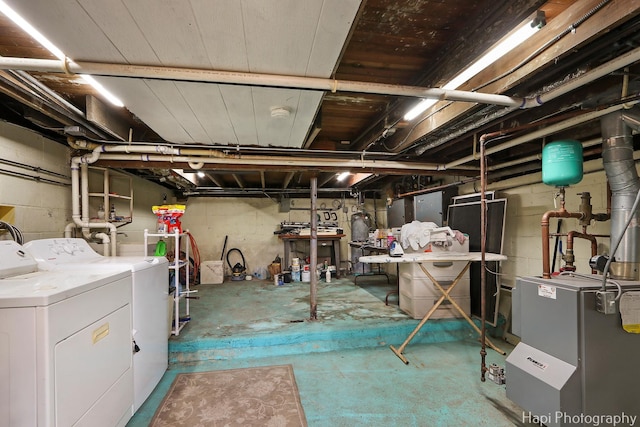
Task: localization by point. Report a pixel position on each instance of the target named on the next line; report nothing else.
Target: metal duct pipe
(619, 166)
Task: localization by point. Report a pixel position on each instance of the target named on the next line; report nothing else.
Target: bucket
(306, 276)
(295, 262)
(295, 275)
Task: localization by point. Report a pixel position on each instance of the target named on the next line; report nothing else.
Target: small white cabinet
(176, 242)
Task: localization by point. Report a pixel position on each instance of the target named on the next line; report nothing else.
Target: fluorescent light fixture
(420, 108)
(103, 91)
(29, 29)
(189, 176)
(37, 35)
(498, 51)
(200, 174)
(341, 176)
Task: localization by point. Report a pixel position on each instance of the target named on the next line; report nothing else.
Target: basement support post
(313, 250)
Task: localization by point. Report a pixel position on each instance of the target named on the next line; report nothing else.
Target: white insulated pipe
(311, 83)
(251, 79)
(285, 161)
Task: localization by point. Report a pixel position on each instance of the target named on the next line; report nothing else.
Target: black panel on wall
(465, 217)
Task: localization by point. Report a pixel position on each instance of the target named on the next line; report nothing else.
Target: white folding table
(440, 256)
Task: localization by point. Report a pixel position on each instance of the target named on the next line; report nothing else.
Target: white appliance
(65, 345)
(150, 286)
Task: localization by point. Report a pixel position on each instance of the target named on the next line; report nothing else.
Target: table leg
(336, 256)
(396, 291)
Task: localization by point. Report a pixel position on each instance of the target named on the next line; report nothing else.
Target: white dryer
(65, 345)
(150, 287)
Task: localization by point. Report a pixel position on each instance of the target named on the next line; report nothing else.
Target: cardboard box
(211, 272)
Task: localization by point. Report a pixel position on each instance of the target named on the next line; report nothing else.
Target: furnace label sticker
(547, 291)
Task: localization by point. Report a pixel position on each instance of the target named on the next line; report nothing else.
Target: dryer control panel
(61, 251)
(15, 260)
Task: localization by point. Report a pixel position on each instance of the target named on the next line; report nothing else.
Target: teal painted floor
(345, 372)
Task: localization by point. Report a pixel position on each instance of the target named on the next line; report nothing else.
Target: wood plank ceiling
(271, 138)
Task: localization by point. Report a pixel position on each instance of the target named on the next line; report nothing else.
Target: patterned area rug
(265, 396)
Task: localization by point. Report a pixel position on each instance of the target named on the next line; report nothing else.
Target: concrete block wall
(250, 223)
(41, 209)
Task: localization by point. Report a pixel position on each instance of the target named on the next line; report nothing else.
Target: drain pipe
(198, 157)
(76, 215)
(619, 166)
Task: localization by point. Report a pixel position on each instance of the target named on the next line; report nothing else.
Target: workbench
(332, 240)
(425, 258)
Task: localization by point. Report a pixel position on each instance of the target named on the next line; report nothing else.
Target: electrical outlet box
(606, 302)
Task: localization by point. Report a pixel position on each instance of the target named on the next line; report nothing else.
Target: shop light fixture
(46, 43)
(502, 48)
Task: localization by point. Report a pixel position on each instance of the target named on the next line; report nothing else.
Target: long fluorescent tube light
(498, 51)
(103, 91)
(342, 176)
(46, 43)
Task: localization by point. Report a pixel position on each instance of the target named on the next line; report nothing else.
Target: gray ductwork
(620, 168)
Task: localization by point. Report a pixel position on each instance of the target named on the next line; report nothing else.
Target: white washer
(150, 285)
(65, 345)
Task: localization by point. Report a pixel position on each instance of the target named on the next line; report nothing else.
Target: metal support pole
(313, 250)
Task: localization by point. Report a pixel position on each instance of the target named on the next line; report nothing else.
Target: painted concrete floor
(345, 372)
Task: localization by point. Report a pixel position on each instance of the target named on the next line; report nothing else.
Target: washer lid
(51, 252)
(74, 253)
(43, 288)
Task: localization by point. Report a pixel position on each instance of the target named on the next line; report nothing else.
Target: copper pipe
(561, 213)
(585, 216)
(577, 235)
(565, 235)
(483, 272)
(483, 249)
